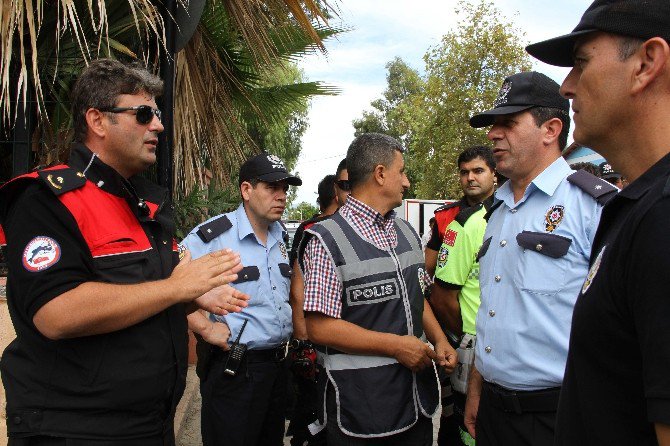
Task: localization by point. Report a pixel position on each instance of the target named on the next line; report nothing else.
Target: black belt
(519, 401)
(275, 354)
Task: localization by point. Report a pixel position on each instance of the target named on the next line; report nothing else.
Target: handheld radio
(235, 354)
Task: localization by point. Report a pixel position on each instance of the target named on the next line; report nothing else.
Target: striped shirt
(323, 288)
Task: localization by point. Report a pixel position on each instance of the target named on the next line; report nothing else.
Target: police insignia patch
(502, 94)
(41, 253)
(554, 217)
(593, 271)
(442, 256)
(276, 162)
(282, 248)
(181, 249)
(450, 237)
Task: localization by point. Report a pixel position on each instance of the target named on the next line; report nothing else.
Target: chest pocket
(285, 270)
(544, 262)
(123, 268)
(248, 274)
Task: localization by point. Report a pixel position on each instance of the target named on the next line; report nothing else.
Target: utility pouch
(466, 357)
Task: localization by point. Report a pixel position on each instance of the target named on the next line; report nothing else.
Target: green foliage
(394, 113)
(302, 211)
(391, 114)
(282, 136)
(430, 114)
(464, 74)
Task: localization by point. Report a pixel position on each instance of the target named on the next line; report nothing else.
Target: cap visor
(279, 176)
(559, 50)
(487, 118)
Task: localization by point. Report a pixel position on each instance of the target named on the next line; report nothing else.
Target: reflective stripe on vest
(378, 287)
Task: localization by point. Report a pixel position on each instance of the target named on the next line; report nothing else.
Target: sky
(380, 31)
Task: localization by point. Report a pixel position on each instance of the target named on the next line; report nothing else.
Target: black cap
(268, 168)
(643, 19)
(522, 91)
(605, 170)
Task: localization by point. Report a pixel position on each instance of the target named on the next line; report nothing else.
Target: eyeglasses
(143, 113)
(345, 185)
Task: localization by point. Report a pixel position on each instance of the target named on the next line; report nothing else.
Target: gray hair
(367, 152)
(628, 46)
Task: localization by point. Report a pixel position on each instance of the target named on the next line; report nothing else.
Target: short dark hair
(100, 85)
(326, 191)
(367, 152)
(590, 168)
(544, 114)
(340, 168)
(474, 152)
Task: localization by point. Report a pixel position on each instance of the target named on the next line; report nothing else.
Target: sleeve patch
(450, 237)
(41, 253)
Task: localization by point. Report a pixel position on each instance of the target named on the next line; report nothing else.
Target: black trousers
(421, 434)
(449, 434)
(504, 424)
(44, 440)
(246, 409)
(304, 413)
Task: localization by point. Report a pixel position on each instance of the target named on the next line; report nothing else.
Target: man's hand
(446, 355)
(197, 277)
(217, 334)
(413, 353)
(472, 403)
(222, 300)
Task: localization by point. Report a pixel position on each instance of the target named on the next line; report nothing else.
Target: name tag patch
(371, 293)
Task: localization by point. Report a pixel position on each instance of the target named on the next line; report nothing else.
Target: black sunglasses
(143, 113)
(345, 185)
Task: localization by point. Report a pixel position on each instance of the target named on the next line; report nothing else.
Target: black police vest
(376, 395)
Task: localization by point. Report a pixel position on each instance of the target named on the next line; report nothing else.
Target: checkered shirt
(323, 288)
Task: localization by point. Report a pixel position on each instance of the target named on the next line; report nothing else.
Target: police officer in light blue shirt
(247, 408)
(533, 262)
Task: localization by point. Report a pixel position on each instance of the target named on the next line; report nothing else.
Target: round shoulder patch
(41, 253)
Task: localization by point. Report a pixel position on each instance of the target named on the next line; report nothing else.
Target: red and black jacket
(124, 384)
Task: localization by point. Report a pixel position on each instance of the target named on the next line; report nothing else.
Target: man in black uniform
(616, 389)
(100, 353)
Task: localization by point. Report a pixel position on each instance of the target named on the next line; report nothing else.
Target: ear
(379, 174)
(96, 122)
(651, 62)
(552, 130)
(245, 190)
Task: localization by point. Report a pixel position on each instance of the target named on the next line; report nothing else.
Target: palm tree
(222, 90)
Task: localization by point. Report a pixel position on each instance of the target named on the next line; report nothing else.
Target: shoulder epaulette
(496, 204)
(596, 187)
(448, 206)
(62, 179)
(214, 228)
(466, 213)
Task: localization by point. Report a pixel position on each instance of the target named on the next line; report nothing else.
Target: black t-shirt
(617, 378)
